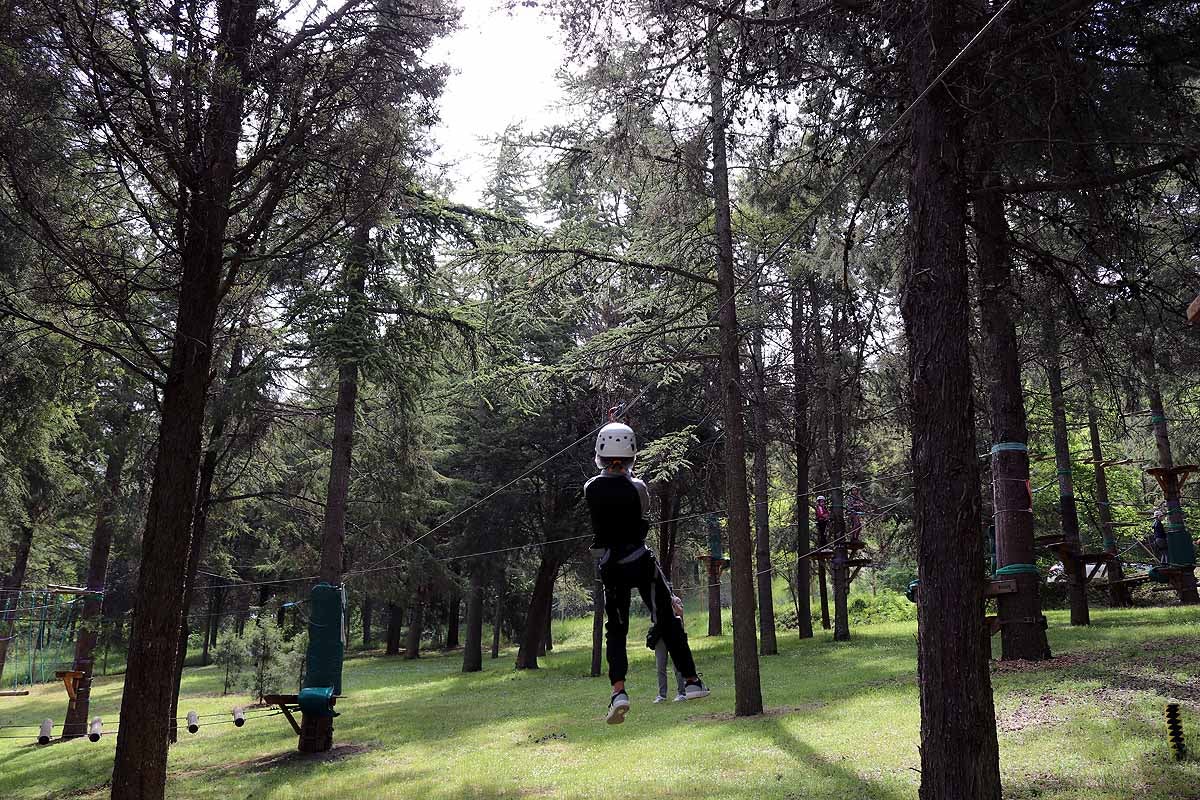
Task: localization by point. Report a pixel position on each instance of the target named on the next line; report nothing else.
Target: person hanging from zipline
(822, 514)
(619, 504)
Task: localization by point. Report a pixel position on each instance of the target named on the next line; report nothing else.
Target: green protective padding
(326, 646)
(1181, 550)
(1156, 418)
(911, 593)
(1017, 569)
(317, 701)
(1156, 576)
(1002, 446)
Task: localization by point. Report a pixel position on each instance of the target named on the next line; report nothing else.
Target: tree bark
(837, 400)
(762, 509)
(76, 721)
(140, 765)
(959, 751)
(1022, 626)
(16, 578)
(801, 450)
(316, 732)
(453, 607)
(473, 646)
(747, 683)
(368, 609)
(394, 626)
(1181, 551)
(1070, 552)
(533, 638)
(196, 547)
(416, 627)
(497, 618)
(1118, 591)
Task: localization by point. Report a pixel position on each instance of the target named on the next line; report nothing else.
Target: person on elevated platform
(1159, 533)
(821, 510)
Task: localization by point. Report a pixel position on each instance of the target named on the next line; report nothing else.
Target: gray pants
(660, 658)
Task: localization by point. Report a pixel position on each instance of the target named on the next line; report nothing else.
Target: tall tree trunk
(1181, 553)
(1022, 626)
(747, 683)
(533, 637)
(1071, 551)
(801, 449)
(497, 618)
(959, 751)
(368, 610)
(208, 627)
(837, 401)
(15, 579)
(416, 627)
(762, 509)
(473, 645)
(394, 625)
(218, 600)
(453, 608)
(316, 732)
(140, 765)
(597, 625)
(198, 543)
(548, 646)
(1118, 591)
(76, 721)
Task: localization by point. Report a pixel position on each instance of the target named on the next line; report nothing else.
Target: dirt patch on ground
(339, 752)
(1032, 712)
(99, 790)
(1066, 661)
(782, 711)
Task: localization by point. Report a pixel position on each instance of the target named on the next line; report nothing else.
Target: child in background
(659, 646)
(822, 521)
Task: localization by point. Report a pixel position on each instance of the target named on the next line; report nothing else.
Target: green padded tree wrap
(317, 701)
(1181, 550)
(326, 645)
(1016, 569)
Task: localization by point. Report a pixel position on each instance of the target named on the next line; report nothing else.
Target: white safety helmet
(616, 440)
(820, 498)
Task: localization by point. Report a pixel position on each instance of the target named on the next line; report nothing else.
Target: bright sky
(504, 65)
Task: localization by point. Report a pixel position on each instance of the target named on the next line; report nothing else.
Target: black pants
(620, 577)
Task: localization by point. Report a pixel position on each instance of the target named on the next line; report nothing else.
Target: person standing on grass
(619, 504)
(656, 643)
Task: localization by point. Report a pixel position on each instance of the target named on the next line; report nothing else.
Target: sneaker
(680, 697)
(694, 691)
(660, 699)
(618, 707)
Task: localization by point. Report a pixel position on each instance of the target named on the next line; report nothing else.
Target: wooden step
(995, 588)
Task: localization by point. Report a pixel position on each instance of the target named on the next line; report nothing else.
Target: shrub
(232, 655)
(273, 660)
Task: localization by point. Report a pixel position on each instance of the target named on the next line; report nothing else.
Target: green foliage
(885, 606)
(232, 655)
(274, 662)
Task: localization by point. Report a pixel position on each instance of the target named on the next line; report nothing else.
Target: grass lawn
(843, 723)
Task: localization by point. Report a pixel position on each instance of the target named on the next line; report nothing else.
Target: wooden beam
(14, 693)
